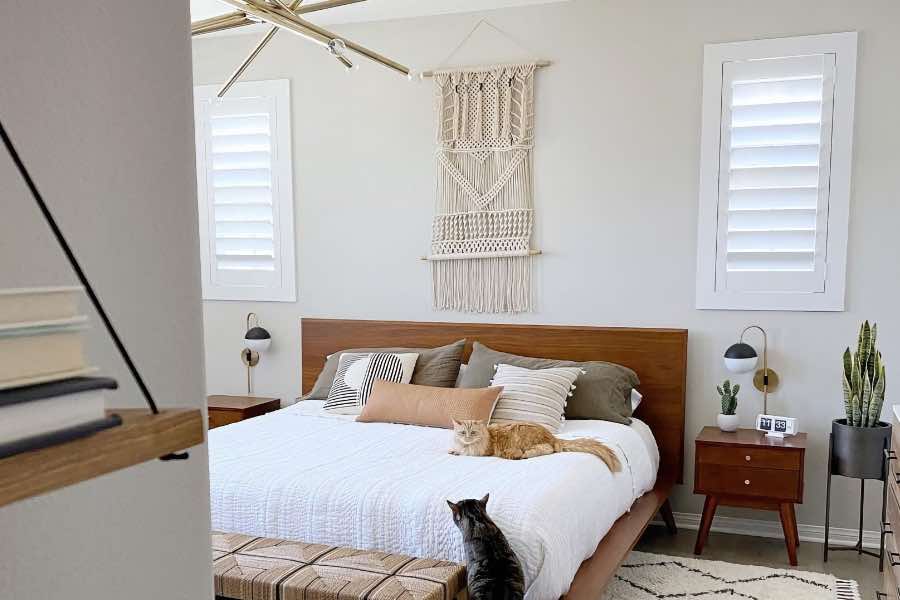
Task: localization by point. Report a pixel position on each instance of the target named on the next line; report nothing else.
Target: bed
(300, 473)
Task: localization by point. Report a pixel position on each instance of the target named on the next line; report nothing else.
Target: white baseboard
(840, 536)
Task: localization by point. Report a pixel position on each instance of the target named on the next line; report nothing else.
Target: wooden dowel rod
(539, 64)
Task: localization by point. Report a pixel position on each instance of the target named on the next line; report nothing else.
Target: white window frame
(844, 48)
(278, 92)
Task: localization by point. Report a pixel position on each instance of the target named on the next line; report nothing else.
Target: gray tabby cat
(493, 570)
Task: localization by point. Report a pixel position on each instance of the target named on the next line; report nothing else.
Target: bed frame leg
(665, 511)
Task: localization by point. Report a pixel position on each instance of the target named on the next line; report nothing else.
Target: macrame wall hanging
(484, 214)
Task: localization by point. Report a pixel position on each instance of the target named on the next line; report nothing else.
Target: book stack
(47, 395)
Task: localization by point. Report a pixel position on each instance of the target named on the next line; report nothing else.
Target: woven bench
(254, 568)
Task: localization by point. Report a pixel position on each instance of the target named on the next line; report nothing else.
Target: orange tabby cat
(521, 440)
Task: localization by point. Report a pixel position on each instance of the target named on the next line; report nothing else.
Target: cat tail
(601, 451)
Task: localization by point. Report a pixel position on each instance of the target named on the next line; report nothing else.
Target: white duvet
(300, 473)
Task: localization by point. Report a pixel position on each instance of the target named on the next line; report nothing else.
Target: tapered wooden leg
(665, 511)
(789, 525)
(796, 530)
(709, 511)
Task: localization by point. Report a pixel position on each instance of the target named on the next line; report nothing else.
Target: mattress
(300, 473)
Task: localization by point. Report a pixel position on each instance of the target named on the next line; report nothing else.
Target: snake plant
(864, 380)
(729, 396)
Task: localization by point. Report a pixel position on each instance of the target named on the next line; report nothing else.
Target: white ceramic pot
(727, 422)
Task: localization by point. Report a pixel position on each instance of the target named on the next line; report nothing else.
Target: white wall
(98, 100)
(616, 176)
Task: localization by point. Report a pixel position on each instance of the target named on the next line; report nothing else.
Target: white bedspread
(299, 473)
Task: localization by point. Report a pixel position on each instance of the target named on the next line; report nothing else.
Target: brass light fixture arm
(239, 18)
(253, 54)
(765, 369)
(278, 16)
(248, 356)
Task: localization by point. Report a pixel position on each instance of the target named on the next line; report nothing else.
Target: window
(244, 192)
(775, 173)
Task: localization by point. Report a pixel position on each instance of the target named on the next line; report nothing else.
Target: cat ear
(456, 423)
(484, 500)
(453, 507)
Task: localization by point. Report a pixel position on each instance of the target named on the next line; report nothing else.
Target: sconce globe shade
(257, 339)
(741, 358)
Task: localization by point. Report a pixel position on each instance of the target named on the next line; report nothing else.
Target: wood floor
(765, 552)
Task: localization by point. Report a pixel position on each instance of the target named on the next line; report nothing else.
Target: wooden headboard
(658, 356)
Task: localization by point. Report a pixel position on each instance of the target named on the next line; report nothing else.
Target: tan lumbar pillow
(428, 406)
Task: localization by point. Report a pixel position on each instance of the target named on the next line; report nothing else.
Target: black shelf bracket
(82, 278)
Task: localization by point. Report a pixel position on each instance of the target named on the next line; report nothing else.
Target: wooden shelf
(141, 437)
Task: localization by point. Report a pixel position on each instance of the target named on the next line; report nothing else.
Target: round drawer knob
(747, 458)
(746, 482)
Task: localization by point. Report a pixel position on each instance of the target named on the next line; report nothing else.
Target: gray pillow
(437, 367)
(603, 392)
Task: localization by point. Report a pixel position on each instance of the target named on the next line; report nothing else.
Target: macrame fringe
(483, 285)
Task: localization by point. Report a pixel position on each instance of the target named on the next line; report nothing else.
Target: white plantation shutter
(245, 192)
(773, 179)
(775, 173)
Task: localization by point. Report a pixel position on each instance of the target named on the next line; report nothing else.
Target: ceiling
(374, 10)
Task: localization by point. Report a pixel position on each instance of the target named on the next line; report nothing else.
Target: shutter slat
(236, 213)
(806, 155)
(245, 247)
(803, 89)
(772, 220)
(241, 143)
(774, 177)
(245, 229)
(771, 261)
(242, 160)
(765, 115)
(240, 178)
(772, 241)
(775, 135)
(244, 263)
(781, 198)
(228, 125)
(244, 195)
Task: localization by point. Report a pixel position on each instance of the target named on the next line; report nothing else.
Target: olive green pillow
(436, 367)
(602, 392)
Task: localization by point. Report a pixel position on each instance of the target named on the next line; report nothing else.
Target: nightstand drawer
(762, 458)
(891, 557)
(774, 484)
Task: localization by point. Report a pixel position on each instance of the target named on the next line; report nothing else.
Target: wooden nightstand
(747, 469)
(231, 409)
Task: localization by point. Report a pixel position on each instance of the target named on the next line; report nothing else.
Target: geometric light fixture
(282, 15)
(256, 341)
(743, 358)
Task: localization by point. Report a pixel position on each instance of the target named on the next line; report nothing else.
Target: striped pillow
(533, 395)
(357, 372)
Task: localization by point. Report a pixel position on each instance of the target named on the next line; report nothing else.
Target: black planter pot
(859, 451)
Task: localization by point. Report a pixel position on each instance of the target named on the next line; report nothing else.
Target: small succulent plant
(729, 396)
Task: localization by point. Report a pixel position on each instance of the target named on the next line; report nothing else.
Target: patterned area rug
(654, 576)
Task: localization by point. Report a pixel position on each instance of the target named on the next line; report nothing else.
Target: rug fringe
(846, 589)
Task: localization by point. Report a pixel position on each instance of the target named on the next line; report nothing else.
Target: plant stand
(832, 471)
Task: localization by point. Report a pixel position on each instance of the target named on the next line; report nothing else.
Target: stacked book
(47, 393)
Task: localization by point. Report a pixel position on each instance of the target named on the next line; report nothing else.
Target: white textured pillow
(533, 395)
(357, 372)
